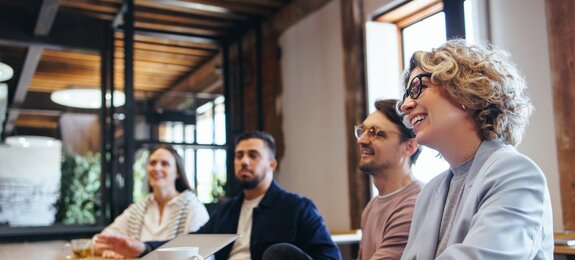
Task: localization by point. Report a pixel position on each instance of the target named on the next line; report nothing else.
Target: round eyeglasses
(372, 132)
(414, 89)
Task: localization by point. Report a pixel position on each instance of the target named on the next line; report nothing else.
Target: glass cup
(81, 248)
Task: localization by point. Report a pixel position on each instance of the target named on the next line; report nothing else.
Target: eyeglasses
(372, 132)
(414, 91)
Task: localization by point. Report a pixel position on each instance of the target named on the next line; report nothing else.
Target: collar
(486, 149)
(270, 196)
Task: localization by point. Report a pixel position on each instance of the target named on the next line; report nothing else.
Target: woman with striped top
(170, 210)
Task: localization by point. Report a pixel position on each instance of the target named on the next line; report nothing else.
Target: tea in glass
(81, 248)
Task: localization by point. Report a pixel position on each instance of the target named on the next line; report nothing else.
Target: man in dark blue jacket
(264, 214)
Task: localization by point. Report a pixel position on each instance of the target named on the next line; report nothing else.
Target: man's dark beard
(249, 184)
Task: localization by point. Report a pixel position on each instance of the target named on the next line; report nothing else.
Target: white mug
(179, 253)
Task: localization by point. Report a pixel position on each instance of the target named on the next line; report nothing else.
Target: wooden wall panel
(355, 98)
(561, 34)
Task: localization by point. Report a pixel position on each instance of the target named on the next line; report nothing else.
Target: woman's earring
(463, 107)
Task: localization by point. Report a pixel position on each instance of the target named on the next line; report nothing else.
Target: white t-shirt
(241, 248)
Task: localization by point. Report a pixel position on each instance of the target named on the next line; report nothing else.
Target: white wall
(520, 27)
(315, 162)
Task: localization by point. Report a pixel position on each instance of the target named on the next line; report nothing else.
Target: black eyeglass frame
(410, 88)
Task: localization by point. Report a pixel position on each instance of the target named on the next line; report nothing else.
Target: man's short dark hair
(264, 136)
(388, 108)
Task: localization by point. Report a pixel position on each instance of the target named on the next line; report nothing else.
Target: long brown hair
(182, 180)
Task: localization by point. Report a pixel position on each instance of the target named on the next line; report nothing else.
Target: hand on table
(120, 244)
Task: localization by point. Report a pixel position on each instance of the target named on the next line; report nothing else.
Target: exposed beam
(196, 81)
(192, 8)
(561, 39)
(46, 17)
(232, 7)
(119, 18)
(178, 36)
(180, 28)
(290, 14)
(355, 109)
(29, 68)
(183, 19)
(67, 32)
(267, 3)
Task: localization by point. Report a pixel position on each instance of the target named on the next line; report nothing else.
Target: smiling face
(253, 163)
(381, 152)
(435, 117)
(162, 171)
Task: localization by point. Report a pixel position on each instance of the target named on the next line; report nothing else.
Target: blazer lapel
(429, 240)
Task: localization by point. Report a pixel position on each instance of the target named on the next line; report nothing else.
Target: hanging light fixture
(6, 72)
(89, 98)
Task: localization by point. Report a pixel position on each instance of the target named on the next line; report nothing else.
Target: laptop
(208, 244)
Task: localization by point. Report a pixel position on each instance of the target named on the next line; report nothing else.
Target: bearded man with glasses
(387, 152)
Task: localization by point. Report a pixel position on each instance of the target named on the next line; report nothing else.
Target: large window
(201, 145)
(391, 39)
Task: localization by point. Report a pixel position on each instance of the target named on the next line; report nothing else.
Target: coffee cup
(179, 253)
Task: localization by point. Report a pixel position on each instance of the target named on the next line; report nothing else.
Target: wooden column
(355, 98)
(561, 35)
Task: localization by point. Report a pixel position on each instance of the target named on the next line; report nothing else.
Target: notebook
(208, 244)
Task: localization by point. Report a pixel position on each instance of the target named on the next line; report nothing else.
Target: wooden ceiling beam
(138, 38)
(67, 32)
(183, 29)
(200, 39)
(266, 3)
(196, 81)
(292, 13)
(151, 56)
(231, 7)
(183, 19)
(90, 6)
(157, 48)
(191, 8)
(46, 17)
(151, 65)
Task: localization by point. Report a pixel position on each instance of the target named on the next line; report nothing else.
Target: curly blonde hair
(483, 80)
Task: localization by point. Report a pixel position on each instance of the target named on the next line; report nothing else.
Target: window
(202, 142)
(390, 40)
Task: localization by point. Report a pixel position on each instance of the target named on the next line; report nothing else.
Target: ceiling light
(6, 72)
(89, 98)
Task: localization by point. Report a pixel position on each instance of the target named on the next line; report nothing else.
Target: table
(46, 250)
(567, 251)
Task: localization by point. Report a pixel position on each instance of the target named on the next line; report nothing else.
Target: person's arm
(119, 227)
(513, 216)
(126, 246)
(313, 237)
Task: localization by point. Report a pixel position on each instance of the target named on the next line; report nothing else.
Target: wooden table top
(56, 250)
(46, 250)
(564, 249)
